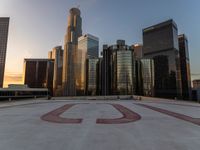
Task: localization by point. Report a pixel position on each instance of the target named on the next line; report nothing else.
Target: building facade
(92, 76)
(160, 43)
(57, 55)
(196, 84)
(119, 69)
(88, 48)
(4, 27)
(74, 31)
(138, 52)
(38, 73)
(147, 77)
(91, 44)
(185, 67)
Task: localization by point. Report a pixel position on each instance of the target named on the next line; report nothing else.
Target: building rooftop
(62, 124)
(160, 25)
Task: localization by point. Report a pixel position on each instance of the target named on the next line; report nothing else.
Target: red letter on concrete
(54, 116)
(128, 116)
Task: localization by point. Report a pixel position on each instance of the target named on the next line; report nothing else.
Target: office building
(57, 55)
(185, 67)
(147, 77)
(92, 76)
(38, 73)
(74, 31)
(88, 47)
(91, 44)
(4, 27)
(118, 69)
(160, 43)
(138, 52)
(196, 90)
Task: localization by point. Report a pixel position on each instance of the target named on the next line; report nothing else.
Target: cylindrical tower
(74, 31)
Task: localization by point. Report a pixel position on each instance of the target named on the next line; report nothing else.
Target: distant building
(57, 55)
(138, 52)
(74, 31)
(118, 69)
(160, 43)
(196, 84)
(38, 73)
(4, 27)
(185, 67)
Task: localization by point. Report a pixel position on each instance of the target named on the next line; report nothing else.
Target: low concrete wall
(113, 97)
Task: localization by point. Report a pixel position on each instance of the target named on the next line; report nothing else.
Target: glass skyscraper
(88, 48)
(74, 31)
(185, 67)
(119, 69)
(92, 76)
(147, 77)
(160, 43)
(4, 27)
(91, 44)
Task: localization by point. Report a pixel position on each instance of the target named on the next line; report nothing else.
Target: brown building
(4, 26)
(57, 55)
(138, 52)
(38, 73)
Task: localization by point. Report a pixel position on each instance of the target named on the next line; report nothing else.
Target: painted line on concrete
(128, 116)
(54, 116)
(187, 105)
(173, 114)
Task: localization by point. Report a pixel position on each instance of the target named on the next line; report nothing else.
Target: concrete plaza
(99, 125)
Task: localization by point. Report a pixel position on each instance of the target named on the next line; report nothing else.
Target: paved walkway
(99, 125)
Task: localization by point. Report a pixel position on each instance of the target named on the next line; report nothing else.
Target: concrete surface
(124, 125)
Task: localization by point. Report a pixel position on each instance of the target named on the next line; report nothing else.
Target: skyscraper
(88, 48)
(74, 31)
(57, 55)
(147, 77)
(185, 67)
(160, 43)
(91, 44)
(92, 76)
(4, 26)
(119, 69)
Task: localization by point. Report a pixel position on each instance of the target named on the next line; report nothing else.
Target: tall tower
(4, 25)
(160, 43)
(185, 67)
(74, 31)
(57, 55)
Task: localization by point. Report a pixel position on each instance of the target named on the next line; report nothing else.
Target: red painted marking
(173, 114)
(128, 116)
(187, 105)
(54, 116)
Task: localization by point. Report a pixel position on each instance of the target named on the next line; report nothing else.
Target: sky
(36, 26)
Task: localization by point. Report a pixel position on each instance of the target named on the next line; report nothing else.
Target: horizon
(35, 37)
